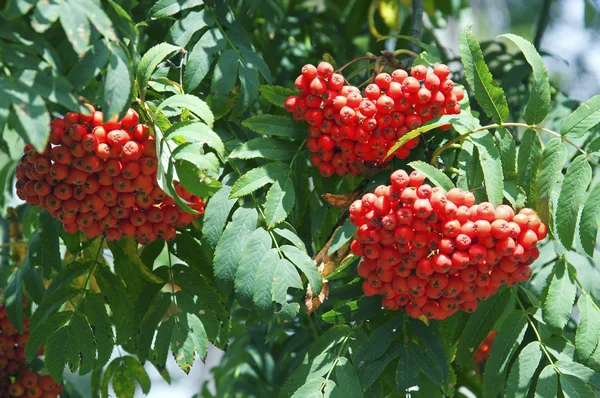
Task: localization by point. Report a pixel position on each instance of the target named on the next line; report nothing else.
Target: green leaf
(491, 164)
(508, 151)
(479, 325)
(430, 125)
(33, 117)
(406, 372)
(594, 146)
(434, 174)
(224, 78)
(265, 148)
(49, 243)
(90, 65)
(44, 15)
(184, 28)
(189, 338)
(82, 345)
(342, 236)
(380, 340)
(257, 61)
(197, 172)
(118, 84)
(127, 257)
(276, 95)
(360, 309)
(51, 303)
(201, 57)
(76, 26)
(40, 334)
(93, 306)
(590, 221)
(56, 353)
(97, 17)
(209, 304)
(487, 92)
(523, 369)
(301, 260)
(249, 87)
(346, 378)
(258, 178)
(253, 254)
(539, 98)
(229, 249)
(217, 212)
(280, 201)
(262, 296)
(425, 362)
(13, 299)
(286, 276)
(374, 369)
(588, 330)
(196, 132)
(150, 61)
(121, 305)
(557, 306)
(547, 385)
(580, 371)
(191, 102)
(530, 152)
(274, 125)
(505, 346)
(132, 368)
(583, 119)
(574, 387)
(572, 192)
(165, 8)
(552, 160)
(149, 324)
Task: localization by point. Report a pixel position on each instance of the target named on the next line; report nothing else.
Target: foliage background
(291, 33)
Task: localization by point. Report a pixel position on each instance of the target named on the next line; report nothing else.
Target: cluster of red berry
(15, 379)
(100, 177)
(430, 251)
(348, 129)
(483, 351)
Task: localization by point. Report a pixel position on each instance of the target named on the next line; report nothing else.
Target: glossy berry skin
(92, 166)
(363, 127)
(437, 252)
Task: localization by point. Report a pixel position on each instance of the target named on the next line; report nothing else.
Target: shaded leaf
(265, 148)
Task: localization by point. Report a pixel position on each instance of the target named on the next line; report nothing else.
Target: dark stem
(542, 23)
(416, 29)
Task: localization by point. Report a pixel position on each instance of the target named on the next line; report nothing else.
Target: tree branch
(416, 29)
(542, 23)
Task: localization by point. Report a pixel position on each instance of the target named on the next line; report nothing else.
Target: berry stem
(87, 280)
(339, 354)
(371, 19)
(341, 68)
(532, 324)
(403, 51)
(453, 141)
